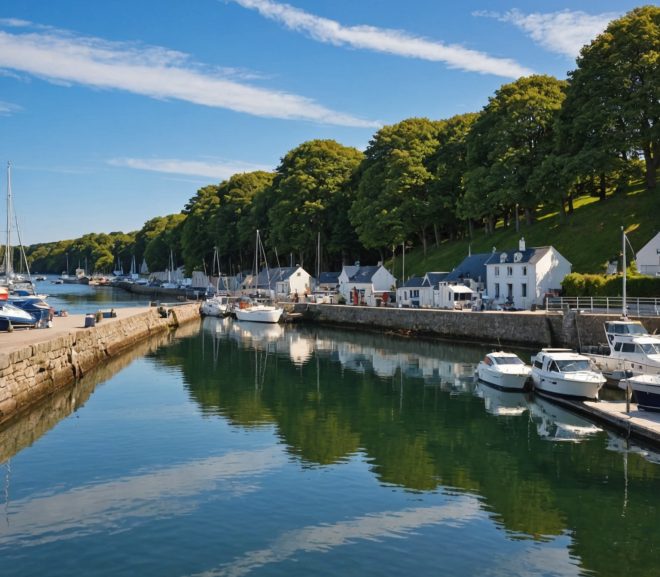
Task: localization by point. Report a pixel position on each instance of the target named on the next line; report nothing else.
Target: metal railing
(643, 306)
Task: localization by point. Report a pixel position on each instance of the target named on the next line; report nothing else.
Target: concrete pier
(35, 363)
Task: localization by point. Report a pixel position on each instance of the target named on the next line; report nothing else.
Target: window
(524, 271)
(509, 271)
(524, 290)
(509, 290)
(497, 290)
(497, 271)
(628, 348)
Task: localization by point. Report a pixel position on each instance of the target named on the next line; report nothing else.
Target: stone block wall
(33, 372)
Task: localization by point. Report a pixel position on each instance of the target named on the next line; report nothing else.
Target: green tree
(197, 238)
(392, 204)
(236, 196)
(448, 165)
(165, 238)
(612, 109)
(311, 194)
(507, 143)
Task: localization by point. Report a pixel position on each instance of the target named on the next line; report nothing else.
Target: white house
(282, 282)
(420, 291)
(365, 284)
(523, 277)
(648, 257)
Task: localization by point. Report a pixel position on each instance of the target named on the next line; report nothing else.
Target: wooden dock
(636, 424)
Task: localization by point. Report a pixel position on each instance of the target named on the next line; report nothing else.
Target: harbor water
(238, 449)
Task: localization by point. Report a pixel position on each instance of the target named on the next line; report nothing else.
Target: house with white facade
(522, 278)
(364, 284)
(280, 283)
(420, 291)
(648, 257)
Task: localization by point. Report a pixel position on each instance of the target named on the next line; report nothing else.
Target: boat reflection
(501, 403)
(555, 423)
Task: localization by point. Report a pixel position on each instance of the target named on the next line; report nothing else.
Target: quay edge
(569, 329)
(42, 363)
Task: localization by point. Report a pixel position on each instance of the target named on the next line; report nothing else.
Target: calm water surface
(240, 449)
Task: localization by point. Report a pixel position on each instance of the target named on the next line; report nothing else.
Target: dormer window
(503, 257)
(517, 257)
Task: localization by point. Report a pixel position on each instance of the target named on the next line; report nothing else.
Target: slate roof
(329, 278)
(436, 277)
(275, 275)
(361, 274)
(414, 282)
(473, 267)
(527, 256)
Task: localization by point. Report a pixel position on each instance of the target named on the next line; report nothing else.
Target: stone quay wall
(34, 371)
(537, 329)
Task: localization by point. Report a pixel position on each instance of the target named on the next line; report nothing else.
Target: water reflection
(557, 424)
(502, 403)
(171, 491)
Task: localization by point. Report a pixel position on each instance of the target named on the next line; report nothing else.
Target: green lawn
(588, 238)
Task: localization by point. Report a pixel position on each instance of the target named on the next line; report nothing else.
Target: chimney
(521, 244)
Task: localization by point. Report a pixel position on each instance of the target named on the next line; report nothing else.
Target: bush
(594, 285)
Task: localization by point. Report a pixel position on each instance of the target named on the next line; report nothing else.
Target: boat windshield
(512, 360)
(650, 348)
(573, 365)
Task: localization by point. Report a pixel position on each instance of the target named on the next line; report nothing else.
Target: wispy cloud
(219, 170)
(7, 108)
(564, 32)
(389, 41)
(62, 57)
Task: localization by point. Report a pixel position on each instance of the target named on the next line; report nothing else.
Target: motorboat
(629, 350)
(645, 391)
(215, 306)
(565, 373)
(11, 316)
(504, 370)
(36, 305)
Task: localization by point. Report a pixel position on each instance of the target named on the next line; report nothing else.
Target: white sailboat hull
(260, 314)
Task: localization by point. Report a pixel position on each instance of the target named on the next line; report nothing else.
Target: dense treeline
(538, 141)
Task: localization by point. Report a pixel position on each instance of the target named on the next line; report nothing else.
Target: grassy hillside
(588, 238)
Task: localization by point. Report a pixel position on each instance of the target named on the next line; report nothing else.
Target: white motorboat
(630, 349)
(645, 390)
(565, 373)
(504, 370)
(216, 306)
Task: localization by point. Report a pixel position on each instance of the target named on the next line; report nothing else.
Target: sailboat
(170, 284)
(12, 280)
(254, 311)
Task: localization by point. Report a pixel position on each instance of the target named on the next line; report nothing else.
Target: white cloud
(384, 40)
(220, 170)
(562, 32)
(155, 72)
(7, 108)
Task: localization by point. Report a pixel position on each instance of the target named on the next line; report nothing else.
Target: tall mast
(8, 251)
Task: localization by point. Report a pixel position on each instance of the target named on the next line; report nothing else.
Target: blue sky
(115, 112)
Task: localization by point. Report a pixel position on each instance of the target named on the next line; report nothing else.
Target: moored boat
(565, 373)
(259, 313)
(504, 370)
(12, 316)
(645, 390)
(630, 349)
(215, 306)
